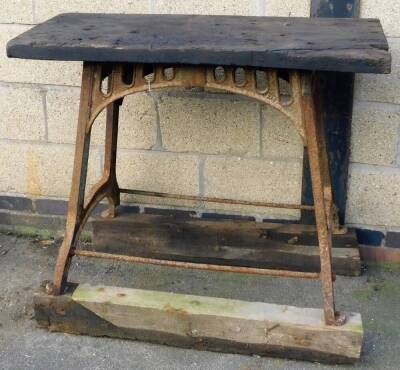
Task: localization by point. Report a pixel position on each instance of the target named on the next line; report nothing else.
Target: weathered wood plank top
(346, 45)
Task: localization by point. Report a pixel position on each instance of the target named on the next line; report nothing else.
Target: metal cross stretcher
(248, 56)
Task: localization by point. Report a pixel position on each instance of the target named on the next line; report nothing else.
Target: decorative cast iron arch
(128, 79)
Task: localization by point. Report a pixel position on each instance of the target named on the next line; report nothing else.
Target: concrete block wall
(191, 143)
(374, 174)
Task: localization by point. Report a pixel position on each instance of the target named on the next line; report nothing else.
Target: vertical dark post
(337, 102)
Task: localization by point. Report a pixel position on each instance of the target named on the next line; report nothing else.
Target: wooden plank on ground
(236, 243)
(216, 324)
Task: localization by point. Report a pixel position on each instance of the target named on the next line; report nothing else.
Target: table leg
(77, 194)
(79, 208)
(322, 202)
(107, 186)
(110, 158)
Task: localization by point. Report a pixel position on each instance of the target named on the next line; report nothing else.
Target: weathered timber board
(297, 43)
(216, 324)
(225, 242)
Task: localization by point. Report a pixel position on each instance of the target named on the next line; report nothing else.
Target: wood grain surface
(334, 44)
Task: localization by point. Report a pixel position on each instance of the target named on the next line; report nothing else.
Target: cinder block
(373, 196)
(15, 203)
(387, 11)
(374, 134)
(137, 119)
(287, 8)
(280, 138)
(382, 88)
(12, 168)
(223, 7)
(34, 71)
(45, 9)
(138, 122)
(253, 180)
(21, 113)
(51, 207)
(41, 170)
(33, 224)
(392, 239)
(62, 114)
(215, 125)
(55, 165)
(16, 11)
(62, 117)
(160, 172)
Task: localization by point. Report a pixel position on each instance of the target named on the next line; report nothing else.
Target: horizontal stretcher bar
(199, 266)
(216, 200)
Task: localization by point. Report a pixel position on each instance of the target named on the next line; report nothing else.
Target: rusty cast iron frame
(105, 85)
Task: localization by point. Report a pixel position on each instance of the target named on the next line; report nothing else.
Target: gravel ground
(25, 262)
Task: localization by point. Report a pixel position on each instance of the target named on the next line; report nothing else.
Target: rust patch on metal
(199, 266)
(170, 309)
(215, 200)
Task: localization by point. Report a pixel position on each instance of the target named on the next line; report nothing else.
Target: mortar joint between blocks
(260, 7)
(152, 5)
(33, 11)
(45, 114)
(201, 175)
(159, 141)
(101, 160)
(262, 128)
(260, 132)
(397, 161)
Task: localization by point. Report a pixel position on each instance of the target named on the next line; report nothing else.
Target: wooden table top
(327, 44)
